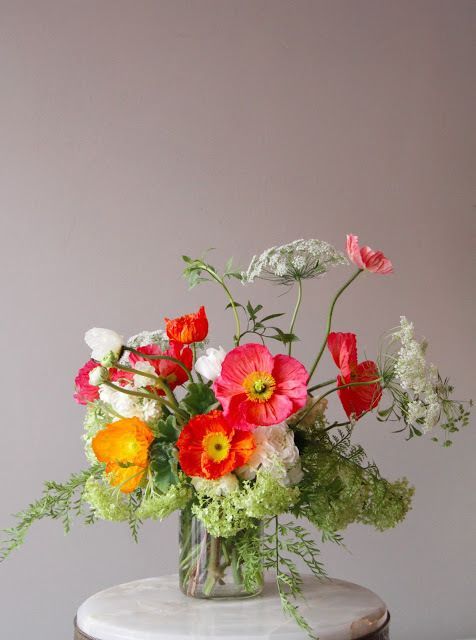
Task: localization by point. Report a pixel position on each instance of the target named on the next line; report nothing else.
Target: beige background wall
(132, 132)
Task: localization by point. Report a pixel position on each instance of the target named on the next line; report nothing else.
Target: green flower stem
(295, 313)
(329, 320)
(122, 367)
(349, 384)
(322, 384)
(138, 394)
(194, 351)
(221, 282)
(343, 386)
(161, 357)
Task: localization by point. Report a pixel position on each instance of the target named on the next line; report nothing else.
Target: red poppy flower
(173, 373)
(192, 327)
(359, 399)
(209, 447)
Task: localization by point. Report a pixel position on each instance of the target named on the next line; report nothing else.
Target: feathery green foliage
(59, 502)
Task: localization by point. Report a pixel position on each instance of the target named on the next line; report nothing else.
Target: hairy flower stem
(342, 386)
(221, 282)
(349, 384)
(194, 351)
(329, 321)
(146, 356)
(138, 394)
(295, 313)
(322, 384)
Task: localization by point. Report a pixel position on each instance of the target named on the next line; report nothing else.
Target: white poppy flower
(103, 342)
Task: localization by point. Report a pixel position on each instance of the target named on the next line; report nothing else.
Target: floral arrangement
(238, 440)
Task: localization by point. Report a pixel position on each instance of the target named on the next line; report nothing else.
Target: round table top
(155, 609)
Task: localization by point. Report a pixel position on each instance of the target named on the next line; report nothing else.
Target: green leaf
(168, 429)
(199, 399)
(163, 465)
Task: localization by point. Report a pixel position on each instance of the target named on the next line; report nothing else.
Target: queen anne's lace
(417, 377)
(297, 260)
(158, 336)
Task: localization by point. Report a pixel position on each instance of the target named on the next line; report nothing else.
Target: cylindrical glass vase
(213, 567)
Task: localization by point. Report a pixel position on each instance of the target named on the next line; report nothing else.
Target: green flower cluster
(340, 488)
(158, 506)
(225, 516)
(106, 502)
(96, 419)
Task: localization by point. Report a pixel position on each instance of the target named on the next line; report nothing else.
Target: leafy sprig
(59, 502)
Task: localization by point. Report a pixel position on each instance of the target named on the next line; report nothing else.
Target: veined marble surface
(155, 609)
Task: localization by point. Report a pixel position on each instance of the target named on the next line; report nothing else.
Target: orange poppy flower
(124, 447)
(192, 327)
(209, 447)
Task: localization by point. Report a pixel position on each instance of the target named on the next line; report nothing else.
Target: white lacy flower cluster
(297, 260)
(417, 377)
(158, 336)
(276, 453)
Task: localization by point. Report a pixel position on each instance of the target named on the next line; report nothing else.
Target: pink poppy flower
(359, 399)
(85, 391)
(256, 388)
(366, 258)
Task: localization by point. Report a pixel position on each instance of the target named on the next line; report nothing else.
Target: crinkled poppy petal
(191, 461)
(353, 251)
(243, 447)
(360, 399)
(291, 379)
(213, 470)
(235, 411)
(127, 479)
(276, 409)
(343, 348)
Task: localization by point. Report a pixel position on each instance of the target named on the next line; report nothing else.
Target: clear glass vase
(213, 567)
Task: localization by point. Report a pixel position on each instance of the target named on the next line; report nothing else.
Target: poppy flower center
(217, 446)
(259, 386)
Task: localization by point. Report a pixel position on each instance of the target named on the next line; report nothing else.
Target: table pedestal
(155, 609)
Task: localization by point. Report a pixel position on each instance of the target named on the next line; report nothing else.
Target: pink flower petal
(353, 251)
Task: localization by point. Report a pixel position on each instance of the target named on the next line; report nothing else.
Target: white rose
(221, 487)
(209, 365)
(103, 342)
(127, 406)
(275, 452)
(146, 367)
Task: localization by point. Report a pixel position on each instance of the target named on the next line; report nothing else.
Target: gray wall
(133, 132)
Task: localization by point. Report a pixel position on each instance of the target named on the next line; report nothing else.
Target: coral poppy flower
(172, 373)
(124, 447)
(187, 329)
(367, 258)
(85, 391)
(209, 447)
(256, 388)
(359, 399)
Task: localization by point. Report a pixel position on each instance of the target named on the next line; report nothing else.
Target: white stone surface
(154, 609)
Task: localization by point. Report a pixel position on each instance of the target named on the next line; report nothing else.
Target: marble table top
(155, 609)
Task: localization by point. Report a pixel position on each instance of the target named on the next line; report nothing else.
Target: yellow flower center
(217, 446)
(259, 386)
